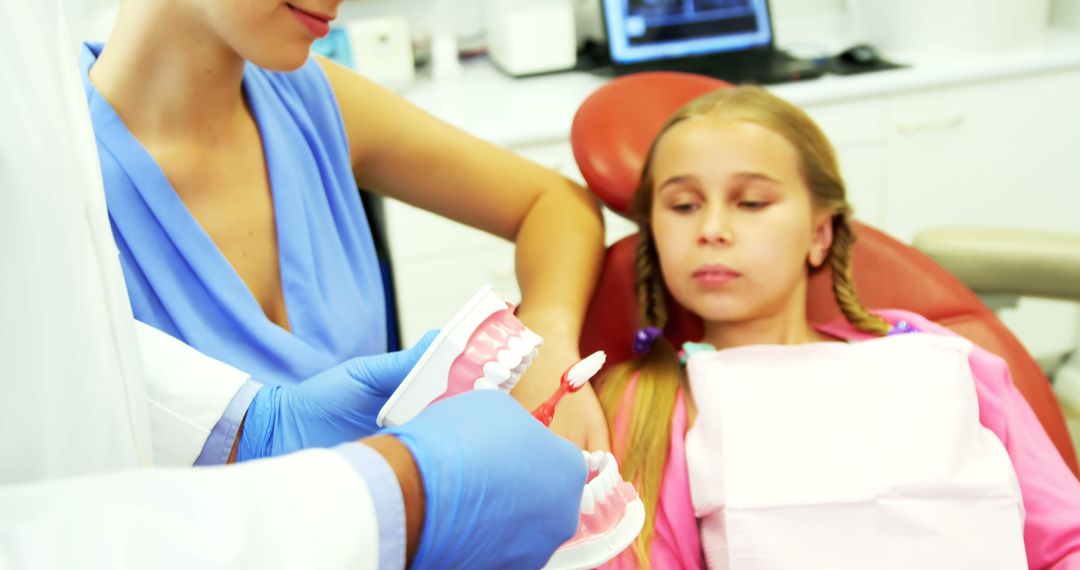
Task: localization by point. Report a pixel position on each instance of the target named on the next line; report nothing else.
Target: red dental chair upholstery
(611, 135)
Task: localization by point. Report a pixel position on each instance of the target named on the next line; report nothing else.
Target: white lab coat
(81, 417)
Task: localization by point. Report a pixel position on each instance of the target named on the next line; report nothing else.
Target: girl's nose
(715, 229)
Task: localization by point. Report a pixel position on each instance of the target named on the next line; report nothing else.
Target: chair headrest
(614, 128)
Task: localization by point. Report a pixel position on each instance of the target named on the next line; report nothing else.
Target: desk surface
(515, 112)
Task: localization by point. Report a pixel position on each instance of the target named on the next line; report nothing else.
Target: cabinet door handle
(929, 126)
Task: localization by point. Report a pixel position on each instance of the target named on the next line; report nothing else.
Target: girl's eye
(685, 207)
(752, 204)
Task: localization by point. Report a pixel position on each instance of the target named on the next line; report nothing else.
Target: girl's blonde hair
(660, 376)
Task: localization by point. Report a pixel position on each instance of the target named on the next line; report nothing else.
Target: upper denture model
(483, 347)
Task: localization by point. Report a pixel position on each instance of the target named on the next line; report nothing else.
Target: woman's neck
(166, 72)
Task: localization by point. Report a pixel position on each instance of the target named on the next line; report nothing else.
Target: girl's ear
(822, 240)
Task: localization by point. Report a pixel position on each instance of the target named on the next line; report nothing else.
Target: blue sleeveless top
(180, 282)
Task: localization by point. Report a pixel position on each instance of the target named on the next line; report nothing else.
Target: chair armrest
(999, 261)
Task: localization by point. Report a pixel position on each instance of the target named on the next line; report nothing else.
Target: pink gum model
(610, 519)
(495, 357)
(483, 347)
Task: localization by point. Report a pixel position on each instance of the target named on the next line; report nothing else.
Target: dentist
(86, 400)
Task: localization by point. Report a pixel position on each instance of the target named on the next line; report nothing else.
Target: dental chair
(611, 135)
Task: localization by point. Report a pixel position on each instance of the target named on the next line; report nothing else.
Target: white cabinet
(1003, 153)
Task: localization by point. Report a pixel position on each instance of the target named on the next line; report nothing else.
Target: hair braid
(844, 283)
(648, 283)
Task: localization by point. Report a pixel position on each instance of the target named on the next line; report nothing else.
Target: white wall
(795, 10)
(89, 19)
(464, 17)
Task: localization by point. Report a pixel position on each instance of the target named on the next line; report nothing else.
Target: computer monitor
(641, 31)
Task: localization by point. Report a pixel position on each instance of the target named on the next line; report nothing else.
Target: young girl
(740, 200)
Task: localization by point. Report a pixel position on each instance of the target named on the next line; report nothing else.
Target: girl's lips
(714, 275)
(317, 24)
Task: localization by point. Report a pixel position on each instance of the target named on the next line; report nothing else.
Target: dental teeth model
(611, 517)
(483, 347)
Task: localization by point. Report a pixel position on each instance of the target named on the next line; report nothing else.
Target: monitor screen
(650, 30)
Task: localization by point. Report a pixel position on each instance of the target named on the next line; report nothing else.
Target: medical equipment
(527, 37)
(612, 515)
(469, 452)
(382, 50)
(572, 380)
(485, 347)
(730, 39)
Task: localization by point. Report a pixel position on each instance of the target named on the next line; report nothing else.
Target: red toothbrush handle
(546, 411)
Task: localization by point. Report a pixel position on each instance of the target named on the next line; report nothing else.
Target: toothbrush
(572, 380)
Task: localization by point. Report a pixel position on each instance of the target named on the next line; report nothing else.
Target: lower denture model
(486, 347)
(610, 518)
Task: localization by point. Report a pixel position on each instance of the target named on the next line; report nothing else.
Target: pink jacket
(1050, 491)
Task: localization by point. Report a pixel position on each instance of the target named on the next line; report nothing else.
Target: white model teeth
(509, 359)
(509, 364)
(484, 384)
(588, 501)
(596, 460)
(514, 379)
(519, 346)
(610, 476)
(496, 373)
(605, 486)
(531, 338)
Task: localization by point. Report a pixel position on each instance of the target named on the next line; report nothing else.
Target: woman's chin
(284, 58)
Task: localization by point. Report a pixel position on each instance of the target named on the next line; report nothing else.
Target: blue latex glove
(336, 406)
(501, 491)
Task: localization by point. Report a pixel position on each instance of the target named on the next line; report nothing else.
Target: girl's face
(272, 34)
(733, 221)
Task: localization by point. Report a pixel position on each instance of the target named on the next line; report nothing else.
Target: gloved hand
(335, 406)
(501, 491)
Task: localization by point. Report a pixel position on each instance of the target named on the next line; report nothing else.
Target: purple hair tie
(644, 338)
(902, 327)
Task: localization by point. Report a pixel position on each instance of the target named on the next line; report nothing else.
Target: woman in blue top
(231, 159)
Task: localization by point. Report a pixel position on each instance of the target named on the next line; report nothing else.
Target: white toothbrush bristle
(581, 372)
